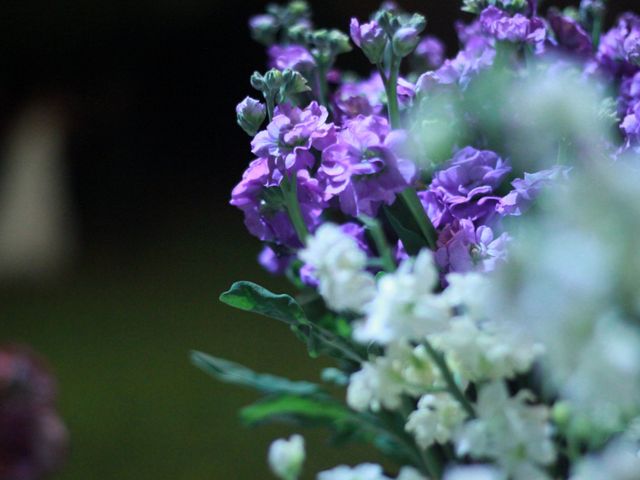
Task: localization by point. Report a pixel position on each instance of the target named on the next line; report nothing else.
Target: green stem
(418, 212)
(323, 88)
(386, 257)
(452, 386)
(391, 89)
(270, 105)
(290, 192)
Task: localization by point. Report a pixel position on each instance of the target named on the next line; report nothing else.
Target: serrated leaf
(231, 372)
(301, 409)
(251, 297)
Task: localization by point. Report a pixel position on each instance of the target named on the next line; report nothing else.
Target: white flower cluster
(571, 285)
(404, 370)
(339, 265)
(435, 421)
(405, 306)
(516, 435)
(367, 471)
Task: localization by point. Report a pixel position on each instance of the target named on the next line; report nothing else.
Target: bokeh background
(118, 150)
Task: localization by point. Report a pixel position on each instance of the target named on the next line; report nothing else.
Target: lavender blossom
(526, 190)
(33, 439)
(294, 57)
(570, 34)
(614, 53)
(291, 135)
(259, 197)
(363, 168)
(367, 97)
(431, 51)
(516, 28)
(462, 248)
(466, 188)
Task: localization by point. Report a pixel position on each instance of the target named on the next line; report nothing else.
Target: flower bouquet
(461, 237)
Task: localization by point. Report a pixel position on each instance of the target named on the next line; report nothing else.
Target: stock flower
(510, 431)
(614, 52)
(33, 438)
(570, 34)
(370, 38)
(465, 189)
(259, 197)
(339, 264)
(274, 262)
(367, 97)
(435, 420)
(526, 190)
(462, 247)
(405, 305)
(473, 472)
(516, 28)
(290, 136)
(382, 382)
(618, 461)
(366, 471)
(293, 57)
(362, 168)
(431, 51)
(250, 114)
(286, 457)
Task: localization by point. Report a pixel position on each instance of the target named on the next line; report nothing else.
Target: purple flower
(363, 168)
(613, 51)
(570, 34)
(366, 97)
(274, 262)
(33, 439)
(478, 54)
(631, 126)
(259, 197)
(462, 247)
(370, 38)
(294, 57)
(291, 134)
(517, 28)
(465, 189)
(526, 190)
(431, 50)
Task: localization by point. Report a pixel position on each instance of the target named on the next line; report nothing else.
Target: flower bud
(286, 457)
(251, 113)
(404, 41)
(371, 38)
(263, 28)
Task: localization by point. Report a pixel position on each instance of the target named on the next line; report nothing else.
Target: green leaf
(250, 297)
(412, 240)
(231, 372)
(306, 410)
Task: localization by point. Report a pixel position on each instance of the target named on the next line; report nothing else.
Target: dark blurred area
(118, 150)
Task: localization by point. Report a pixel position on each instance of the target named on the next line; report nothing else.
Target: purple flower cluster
(340, 158)
(33, 439)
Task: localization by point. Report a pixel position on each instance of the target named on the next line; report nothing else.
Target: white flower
(405, 306)
(435, 420)
(619, 461)
(286, 457)
(473, 472)
(382, 381)
(366, 471)
(470, 291)
(486, 350)
(410, 473)
(508, 430)
(339, 264)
